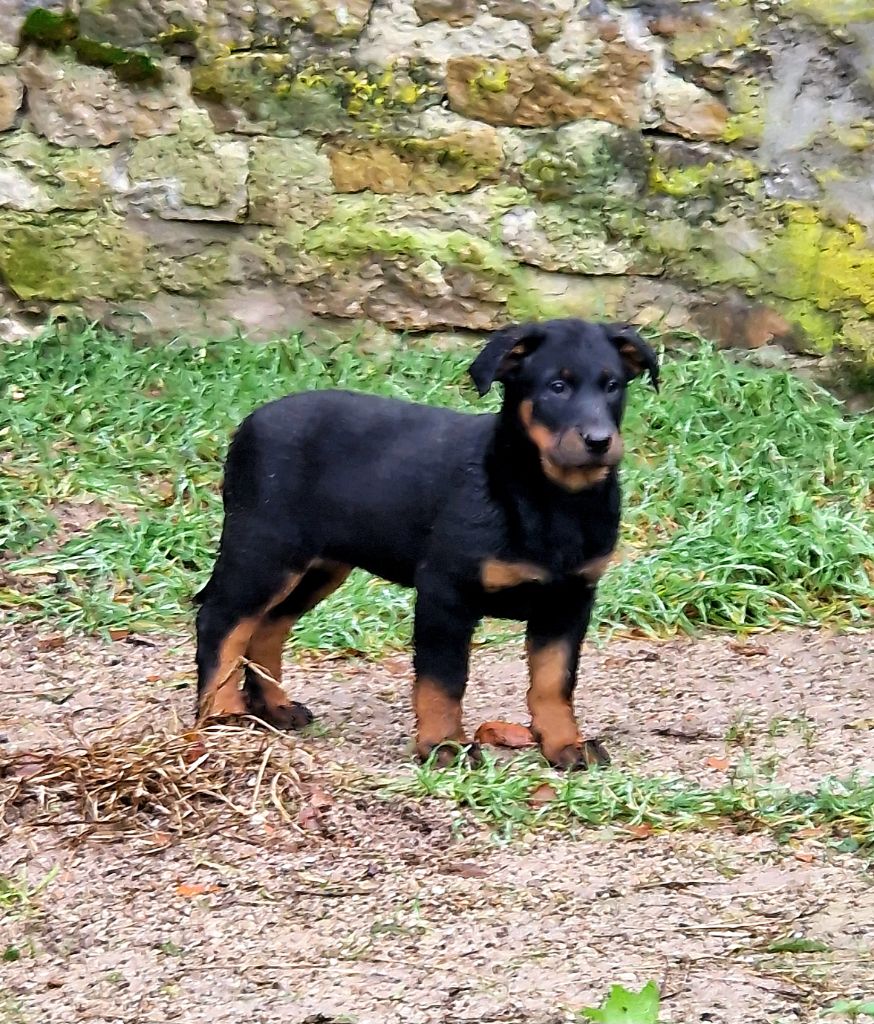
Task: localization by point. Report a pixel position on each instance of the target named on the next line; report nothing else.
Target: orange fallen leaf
(119, 634)
(188, 892)
(544, 794)
(396, 666)
(747, 650)
(805, 858)
(466, 870)
(51, 643)
(719, 763)
(153, 679)
(319, 799)
(643, 831)
(195, 751)
(504, 734)
(309, 818)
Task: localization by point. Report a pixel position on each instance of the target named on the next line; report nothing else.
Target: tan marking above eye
(567, 375)
(498, 575)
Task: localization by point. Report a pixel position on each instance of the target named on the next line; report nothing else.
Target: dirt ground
(394, 912)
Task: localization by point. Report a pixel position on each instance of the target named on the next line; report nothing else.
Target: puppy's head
(565, 382)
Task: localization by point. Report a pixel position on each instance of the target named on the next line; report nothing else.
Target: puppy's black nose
(598, 443)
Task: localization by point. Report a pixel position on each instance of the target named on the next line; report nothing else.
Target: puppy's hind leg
(265, 696)
(234, 602)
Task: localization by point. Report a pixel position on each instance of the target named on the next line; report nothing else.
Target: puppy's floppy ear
(637, 356)
(503, 354)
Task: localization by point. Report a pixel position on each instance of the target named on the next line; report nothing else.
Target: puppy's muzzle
(577, 448)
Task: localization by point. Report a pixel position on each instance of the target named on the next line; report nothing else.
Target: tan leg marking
(498, 575)
(552, 713)
(265, 647)
(265, 652)
(593, 570)
(222, 695)
(438, 716)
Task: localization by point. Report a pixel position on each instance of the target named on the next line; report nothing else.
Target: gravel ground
(388, 911)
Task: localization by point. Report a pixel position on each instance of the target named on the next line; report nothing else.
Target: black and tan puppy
(512, 515)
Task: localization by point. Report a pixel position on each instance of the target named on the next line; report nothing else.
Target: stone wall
(205, 165)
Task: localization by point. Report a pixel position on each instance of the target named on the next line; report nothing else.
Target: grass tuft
(509, 794)
(748, 493)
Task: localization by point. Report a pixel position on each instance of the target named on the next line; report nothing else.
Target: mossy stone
(452, 163)
(65, 256)
(289, 181)
(530, 92)
(592, 162)
(197, 174)
(272, 93)
(37, 176)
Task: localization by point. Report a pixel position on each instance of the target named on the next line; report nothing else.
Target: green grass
(18, 897)
(500, 792)
(748, 494)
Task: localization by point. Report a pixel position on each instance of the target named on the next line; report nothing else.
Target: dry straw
(155, 784)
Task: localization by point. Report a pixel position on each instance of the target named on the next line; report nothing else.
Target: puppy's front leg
(444, 625)
(554, 636)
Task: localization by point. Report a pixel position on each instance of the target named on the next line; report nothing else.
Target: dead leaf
(319, 799)
(467, 870)
(25, 768)
(719, 763)
(166, 492)
(309, 818)
(504, 734)
(197, 749)
(119, 634)
(747, 650)
(161, 838)
(687, 730)
(804, 857)
(396, 666)
(544, 794)
(153, 679)
(188, 892)
(642, 831)
(51, 643)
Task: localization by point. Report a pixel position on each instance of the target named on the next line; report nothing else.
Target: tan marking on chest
(593, 570)
(498, 575)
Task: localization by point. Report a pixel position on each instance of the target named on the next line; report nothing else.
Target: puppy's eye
(611, 386)
(559, 387)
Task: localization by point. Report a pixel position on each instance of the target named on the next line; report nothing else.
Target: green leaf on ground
(624, 1007)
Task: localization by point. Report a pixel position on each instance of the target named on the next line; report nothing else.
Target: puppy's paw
(579, 756)
(447, 752)
(289, 717)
